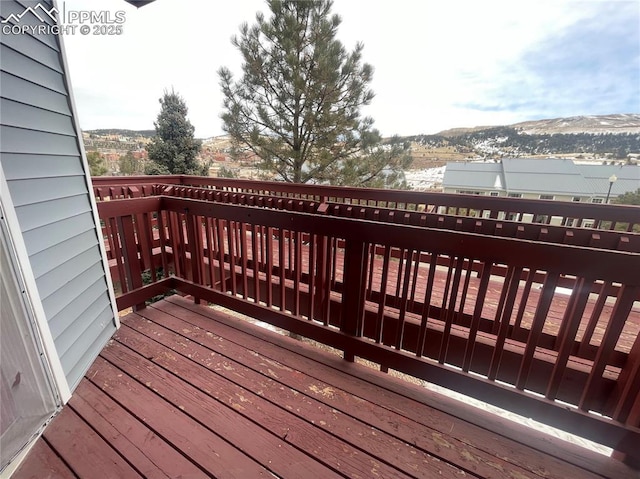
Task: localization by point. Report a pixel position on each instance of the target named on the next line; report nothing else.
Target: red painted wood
(614, 327)
(43, 463)
(285, 416)
(141, 446)
(544, 303)
(589, 426)
(359, 381)
(83, 450)
(273, 375)
(118, 441)
(566, 337)
(402, 309)
(192, 439)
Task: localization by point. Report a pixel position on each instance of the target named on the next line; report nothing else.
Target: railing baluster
(524, 300)
(269, 266)
(450, 310)
(176, 243)
(282, 268)
(252, 248)
(209, 235)
(414, 280)
(568, 330)
(162, 241)
(625, 399)
(297, 270)
(383, 294)
(404, 299)
(542, 309)
(244, 258)
(596, 313)
(311, 262)
(231, 242)
(426, 306)
(483, 287)
(220, 233)
(511, 283)
(622, 308)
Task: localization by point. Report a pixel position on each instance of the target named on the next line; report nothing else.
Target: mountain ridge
(620, 123)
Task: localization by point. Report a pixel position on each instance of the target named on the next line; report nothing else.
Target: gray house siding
(42, 161)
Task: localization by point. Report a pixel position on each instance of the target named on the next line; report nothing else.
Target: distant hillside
(620, 123)
(629, 123)
(613, 136)
(121, 132)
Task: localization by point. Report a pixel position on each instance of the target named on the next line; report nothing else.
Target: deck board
(44, 463)
(329, 392)
(84, 450)
(393, 412)
(186, 391)
(147, 452)
(306, 423)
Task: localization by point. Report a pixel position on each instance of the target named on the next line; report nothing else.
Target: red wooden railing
(472, 310)
(580, 215)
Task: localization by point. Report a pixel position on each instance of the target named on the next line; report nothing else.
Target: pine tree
(174, 149)
(297, 104)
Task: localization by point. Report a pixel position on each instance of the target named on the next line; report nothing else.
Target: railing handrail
(627, 214)
(600, 239)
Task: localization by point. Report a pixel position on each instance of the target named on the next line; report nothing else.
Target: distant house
(56, 298)
(546, 179)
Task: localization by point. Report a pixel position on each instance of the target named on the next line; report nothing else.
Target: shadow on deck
(186, 391)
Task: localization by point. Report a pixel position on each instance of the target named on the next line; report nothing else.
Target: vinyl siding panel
(49, 283)
(37, 215)
(102, 335)
(17, 89)
(55, 303)
(35, 49)
(40, 239)
(34, 72)
(49, 259)
(39, 190)
(20, 140)
(72, 314)
(41, 159)
(21, 167)
(30, 117)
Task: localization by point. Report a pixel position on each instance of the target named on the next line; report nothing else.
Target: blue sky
(438, 64)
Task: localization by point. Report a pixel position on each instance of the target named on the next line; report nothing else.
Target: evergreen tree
(628, 198)
(174, 149)
(297, 104)
(96, 163)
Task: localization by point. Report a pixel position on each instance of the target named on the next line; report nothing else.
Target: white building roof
(552, 176)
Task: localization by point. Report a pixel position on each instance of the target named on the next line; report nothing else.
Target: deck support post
(355, 264)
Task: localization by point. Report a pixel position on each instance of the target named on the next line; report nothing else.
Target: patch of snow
(424, 179)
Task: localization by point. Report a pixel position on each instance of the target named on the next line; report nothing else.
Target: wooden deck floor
(183, 391)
